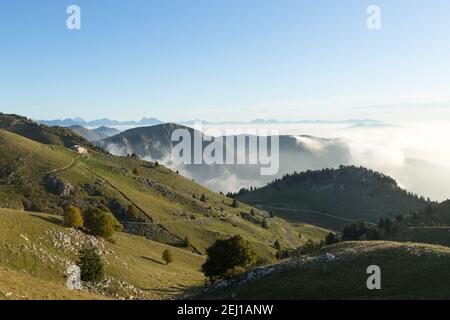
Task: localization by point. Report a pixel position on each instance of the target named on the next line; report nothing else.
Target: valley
(286, 224)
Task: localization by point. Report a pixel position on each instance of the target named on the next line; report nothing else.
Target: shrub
(277, 245)
(73, 218)
(133, 211)
(225, 255)
(203, 198)
(331, 238)
(91, 265)
(373, 234)
(136, 172)
(310, 246)
(234, 204)
(234, 272)
(264, 224)
(100, 223)
(167, 256)
(187, 242)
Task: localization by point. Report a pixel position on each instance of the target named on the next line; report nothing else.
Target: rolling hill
(46, 178)
(40, 133)
(332, 198)
(408, 271)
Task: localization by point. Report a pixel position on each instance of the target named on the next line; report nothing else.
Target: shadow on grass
(48, 219)
(152, 260)
(178, 292)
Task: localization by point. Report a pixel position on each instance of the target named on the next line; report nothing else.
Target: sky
(226, 60)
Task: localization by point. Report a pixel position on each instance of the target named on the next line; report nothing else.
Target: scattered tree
(373, 234)
(91, 265)
(133, 211)
(277, 245)
(264, 224)
(73, 218)
(354, 231)
(187, 242)
(224, 255)
(100, 223)
(234, 204)
(167, 256)
(331, 238)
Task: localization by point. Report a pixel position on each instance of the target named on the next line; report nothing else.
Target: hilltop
(40, 133)
(408, 271)
(333, 197)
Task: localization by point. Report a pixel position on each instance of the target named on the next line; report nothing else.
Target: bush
(136, 172)
(187, 242)
(167, 256)
(264, 224)
(73, 218)
(133, 211)
(331, 238)
(310, 246)
(354, 231)
(225, 255)
(91, 265)
(277, 245)
(373, 234)
(234, 272)
(203, 198)
(100, 223)
(234, 204)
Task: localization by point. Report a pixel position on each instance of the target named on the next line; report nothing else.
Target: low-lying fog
(416, 155)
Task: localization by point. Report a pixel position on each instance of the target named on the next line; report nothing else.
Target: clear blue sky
(221, 59)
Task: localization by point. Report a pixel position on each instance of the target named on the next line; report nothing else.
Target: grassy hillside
(408, 271)
(35, 252)
(41, 133)
(333, 197)
(47, 178)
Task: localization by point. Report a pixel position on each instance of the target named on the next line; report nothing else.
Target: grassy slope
(15, 285)
(169, 205)
(133, 259)
(408, 271)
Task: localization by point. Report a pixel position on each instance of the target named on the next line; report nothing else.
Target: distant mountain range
(99, 122)
(154, 121)
(97, 134)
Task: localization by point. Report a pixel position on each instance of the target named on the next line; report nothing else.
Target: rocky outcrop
(56, 186)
